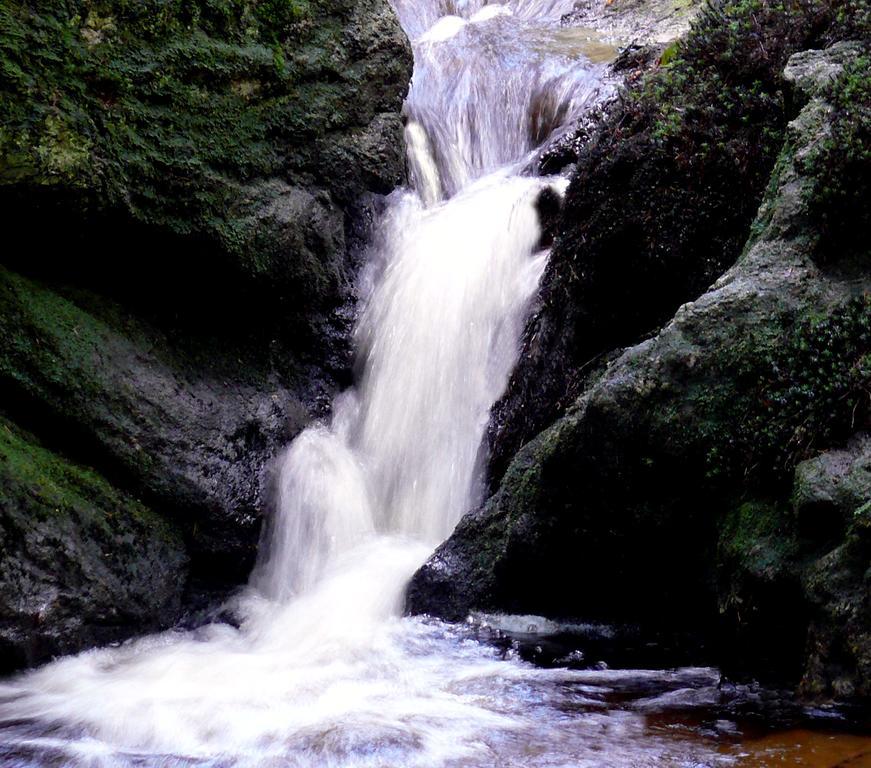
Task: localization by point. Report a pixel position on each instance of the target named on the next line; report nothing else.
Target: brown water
(800, 747)
(750, 746)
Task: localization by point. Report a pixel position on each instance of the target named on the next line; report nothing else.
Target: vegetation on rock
(666, 185)
(225, 123)
(793, 594)
(796, 398)
(840, 168)
(675, 488)
(80, 561)
(193, 181)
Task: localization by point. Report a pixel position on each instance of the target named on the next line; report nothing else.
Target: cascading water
(437, 338)
(322, 670)
(451, 275)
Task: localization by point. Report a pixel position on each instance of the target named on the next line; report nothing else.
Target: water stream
(322, 670)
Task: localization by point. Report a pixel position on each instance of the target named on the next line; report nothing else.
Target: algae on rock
(80, 562)
(614, 513)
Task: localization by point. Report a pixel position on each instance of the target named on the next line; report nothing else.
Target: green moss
(759, 535)
(770, 197)
(723, 80)
(138, 103)
(669, 54)
(791, 396)
(838, 170)
(47, 485)
(63, 154)
(39, 324)
(276, 18)
(54, 352)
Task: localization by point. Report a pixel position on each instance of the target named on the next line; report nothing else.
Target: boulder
(80, 562)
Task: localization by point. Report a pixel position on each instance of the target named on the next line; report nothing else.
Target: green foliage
(800, 398)
(725, 76)
(839, 169)
(849, 20)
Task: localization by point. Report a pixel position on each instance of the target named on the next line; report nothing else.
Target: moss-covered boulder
(669, 480)
(796, 577)
(665, 185)
(186, 189)
(189, 429)
(226, 123)
(80, 562)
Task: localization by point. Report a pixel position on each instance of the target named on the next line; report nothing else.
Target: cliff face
(186, 189)
(679, 487)
(663, 193)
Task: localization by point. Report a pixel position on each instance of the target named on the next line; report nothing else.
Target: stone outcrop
(81, 563)
(670, 475)
(189, 188)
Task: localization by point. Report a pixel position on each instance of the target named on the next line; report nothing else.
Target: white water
(322, 670)
(399, 457)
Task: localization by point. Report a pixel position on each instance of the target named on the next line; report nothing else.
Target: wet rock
(548, 206)
(194, 185)
(193, 438)
(830, 489)
(666, 185)
(640, 22)
(814, 73)
(81, 563)
(836, 583)
(637, 504)
(799, 572)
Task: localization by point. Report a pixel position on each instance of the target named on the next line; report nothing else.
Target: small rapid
(319, 667)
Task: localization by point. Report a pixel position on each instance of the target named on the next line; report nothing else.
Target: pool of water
(412, 692)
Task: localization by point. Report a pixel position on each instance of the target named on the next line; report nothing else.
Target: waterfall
(322, 669)
(453, 269)
(437, 340)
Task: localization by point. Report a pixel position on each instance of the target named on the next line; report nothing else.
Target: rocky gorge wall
(187, 187)
(713, 476)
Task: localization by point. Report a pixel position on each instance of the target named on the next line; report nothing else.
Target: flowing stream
(322, 670)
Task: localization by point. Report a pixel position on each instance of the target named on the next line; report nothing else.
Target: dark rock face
(80, 562)
(665, 188)
(176, 114)
(194, 440)
(194, 184)
(801, 569)
(663, 481)
(222, 150)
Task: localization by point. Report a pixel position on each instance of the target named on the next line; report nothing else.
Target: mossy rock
(192, 180)
(795, 578)
(81, 562)
(177, 117)
(666, 184)
(663, 494)
(190, 430)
